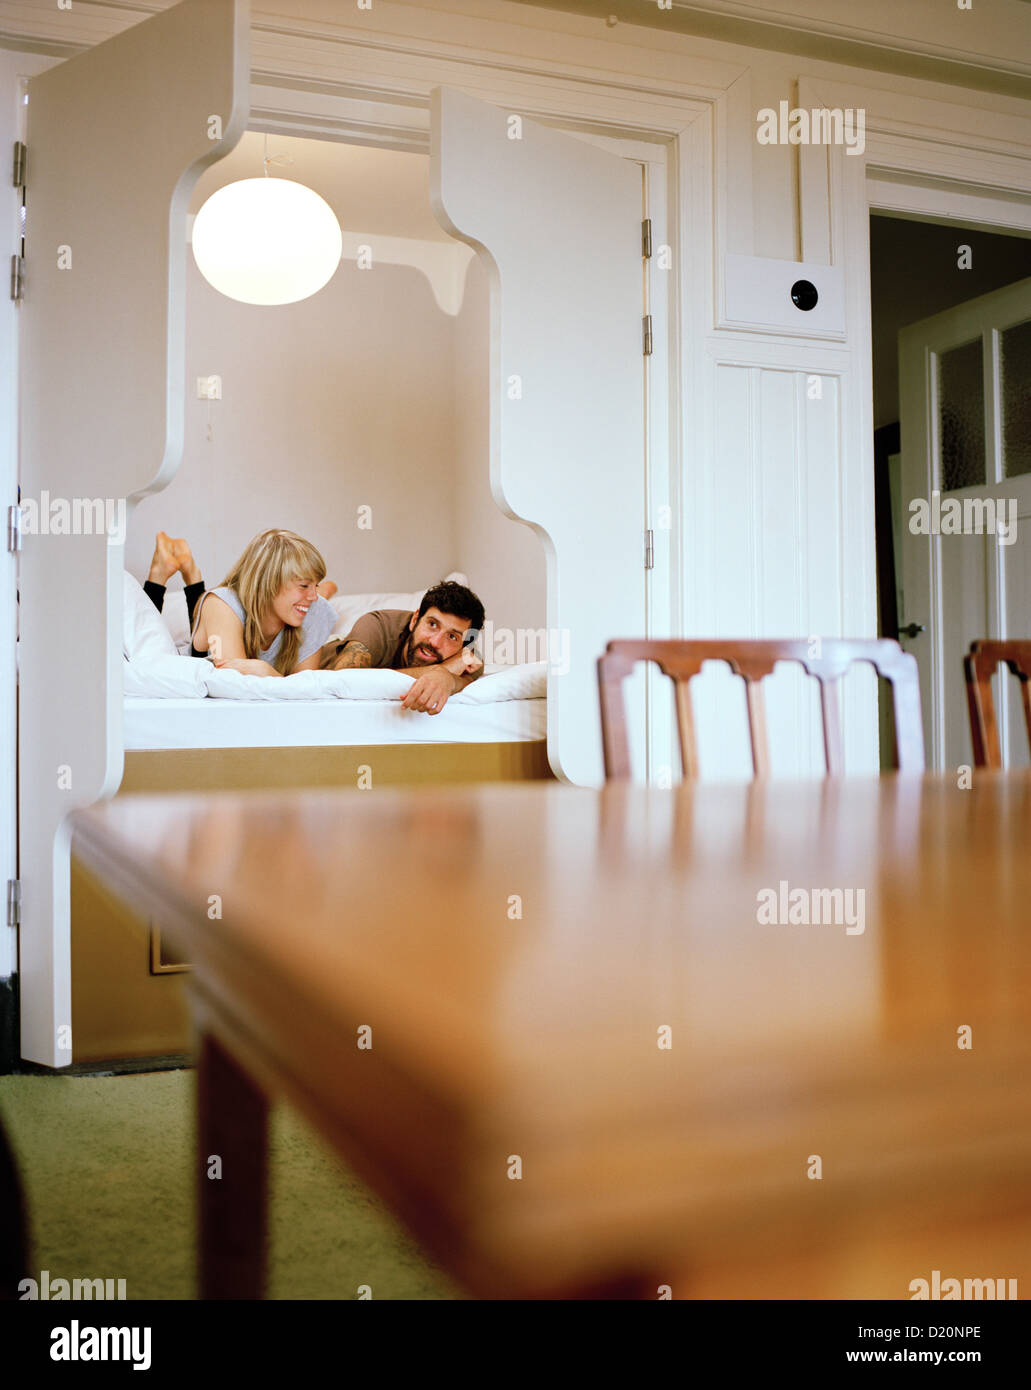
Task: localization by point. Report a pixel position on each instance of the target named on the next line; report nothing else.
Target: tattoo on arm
(348, 655)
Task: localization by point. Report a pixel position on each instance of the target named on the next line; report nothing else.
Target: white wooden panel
(117, 137)
(558, 223)
(14, 67)
(736, 562)
(757, 294)
(777, 564)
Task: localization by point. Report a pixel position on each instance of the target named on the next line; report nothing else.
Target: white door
(116, 139)
(966, 456)
(558, 225)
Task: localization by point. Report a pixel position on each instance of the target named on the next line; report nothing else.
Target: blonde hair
(271, 560)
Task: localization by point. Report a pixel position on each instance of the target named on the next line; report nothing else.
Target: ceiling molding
(814, 36)
(802, 28)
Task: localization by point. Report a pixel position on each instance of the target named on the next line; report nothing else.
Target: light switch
(209, 388)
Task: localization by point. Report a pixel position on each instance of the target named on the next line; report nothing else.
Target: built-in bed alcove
(359, 418)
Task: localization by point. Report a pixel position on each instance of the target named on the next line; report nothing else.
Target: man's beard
(412, 660)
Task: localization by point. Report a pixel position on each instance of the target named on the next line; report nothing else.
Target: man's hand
(431, 691)
(466, 663)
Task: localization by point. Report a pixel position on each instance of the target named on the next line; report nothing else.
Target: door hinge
(19, 164)
(649, 550)
(646, 238)
(14, 902)
(14, 529)
(647, 335)
(17, 278)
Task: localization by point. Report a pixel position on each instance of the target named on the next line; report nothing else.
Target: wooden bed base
(128, 991)
(365, 765)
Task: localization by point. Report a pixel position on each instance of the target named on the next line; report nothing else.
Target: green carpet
(106, 1164)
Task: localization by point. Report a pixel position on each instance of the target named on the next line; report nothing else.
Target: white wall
(340, 401)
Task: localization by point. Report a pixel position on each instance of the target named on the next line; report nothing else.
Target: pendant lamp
(266, 241)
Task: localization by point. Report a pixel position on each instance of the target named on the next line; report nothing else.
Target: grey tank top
(318, 626)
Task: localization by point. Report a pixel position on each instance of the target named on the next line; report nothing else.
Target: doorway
(918, 269)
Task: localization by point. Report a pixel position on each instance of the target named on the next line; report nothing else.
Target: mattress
(192, 723)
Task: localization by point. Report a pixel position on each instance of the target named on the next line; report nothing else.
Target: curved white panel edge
(444, 266)
(557, 223)
(102, 413)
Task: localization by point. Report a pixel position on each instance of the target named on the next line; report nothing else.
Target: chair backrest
(826, 658)
(980, 666)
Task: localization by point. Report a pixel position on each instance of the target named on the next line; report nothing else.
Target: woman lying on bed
(174, 556)
(267, 618)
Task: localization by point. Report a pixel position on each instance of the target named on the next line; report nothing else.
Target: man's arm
(344, 656)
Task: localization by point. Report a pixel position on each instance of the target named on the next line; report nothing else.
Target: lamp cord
(275, 158)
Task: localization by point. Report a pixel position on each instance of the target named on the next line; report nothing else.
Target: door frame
(966, 208)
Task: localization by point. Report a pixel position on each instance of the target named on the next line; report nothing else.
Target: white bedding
(161, 724)
(181, 702)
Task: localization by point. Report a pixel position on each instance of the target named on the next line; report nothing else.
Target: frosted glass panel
(965, 579)
(1016, 399)
(961, 416)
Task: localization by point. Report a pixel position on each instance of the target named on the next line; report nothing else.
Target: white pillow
(144, 635)
(168, 678)
(350, 607)
(526, 682)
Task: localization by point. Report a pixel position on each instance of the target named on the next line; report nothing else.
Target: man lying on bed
(433, 645)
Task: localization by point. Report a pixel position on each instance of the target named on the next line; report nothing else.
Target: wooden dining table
(719, 1041)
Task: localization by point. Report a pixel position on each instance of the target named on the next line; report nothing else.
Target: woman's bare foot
(185, 563)
(327, 588)
(164, 563)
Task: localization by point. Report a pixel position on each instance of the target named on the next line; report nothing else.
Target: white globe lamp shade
(266, 241)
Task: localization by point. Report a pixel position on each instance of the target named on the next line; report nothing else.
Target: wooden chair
(980, 665)
(752, 660)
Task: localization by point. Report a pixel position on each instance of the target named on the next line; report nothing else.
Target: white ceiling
(370, 190)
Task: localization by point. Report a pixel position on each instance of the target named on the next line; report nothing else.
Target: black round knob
(804, 294)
